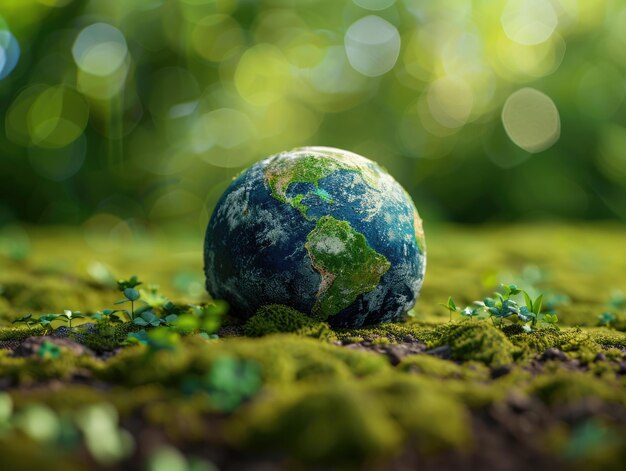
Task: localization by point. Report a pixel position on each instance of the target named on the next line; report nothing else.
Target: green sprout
(108, 315)
(229, 382)
(132, 282)
(27, 320)
(68, 316)
(147, 318)
(450, 306)
(46, 320)
(49, 351)
(160, 338)
(503, 306)
(607, 319)
(131, 295)
(471, 312)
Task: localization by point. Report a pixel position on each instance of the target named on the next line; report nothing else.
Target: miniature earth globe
(322, 230)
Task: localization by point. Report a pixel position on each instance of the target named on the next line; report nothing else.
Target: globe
(322, 230)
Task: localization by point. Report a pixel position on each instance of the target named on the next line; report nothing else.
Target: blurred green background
(124, 116)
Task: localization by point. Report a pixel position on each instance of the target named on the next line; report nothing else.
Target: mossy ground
(427, 393)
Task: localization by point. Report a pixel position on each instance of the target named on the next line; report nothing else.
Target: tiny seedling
(27, 320)
(229, 382)
(46, 320)
(450, 306)
(49, 351)
(606, 319)
(132, 282)
(68, 316)
(471, 311)
(147, 318)
(160, 338)
(131, 295)
(108, 315)
(503, 306)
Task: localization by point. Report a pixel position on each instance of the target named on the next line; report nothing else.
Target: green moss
(354, 423)
(284, 359)
(393, 332)
(332, 424)
(49, 291)
(474, 341)
(430, 415)
(348, 265)
(573, 341)
(106, 337)
(567, 387)
(19, 333)
(29, 370)
(277, 318)
(434, 367)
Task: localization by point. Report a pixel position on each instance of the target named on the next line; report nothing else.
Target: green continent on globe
(311, 168)
(349, 267)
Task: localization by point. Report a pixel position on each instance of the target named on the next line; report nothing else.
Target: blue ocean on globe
(323, 230)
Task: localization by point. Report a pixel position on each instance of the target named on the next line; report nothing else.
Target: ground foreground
(283, 392)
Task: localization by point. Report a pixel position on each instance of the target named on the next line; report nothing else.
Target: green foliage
(276, 318)
(229, 382)
(68, 316)
(503, 306)
(49, 351)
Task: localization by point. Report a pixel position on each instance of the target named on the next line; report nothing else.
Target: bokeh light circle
(57, 117)
(100, 49)
(58, 164)
(531, 120)
(372, 45)
(529, 22)
(450, 100)
(374, 5)
(9, 53)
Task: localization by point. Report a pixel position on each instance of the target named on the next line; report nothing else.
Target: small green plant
(229, 382)
(502, 306)
(108, 315)
(616, 303)
(48, 351)
(131, 295)
(150, 319)
(450, 306)
(27, 320)
(471, 311)
(159, 338)
(46, 320)
(68, 316)
(606, 319)
(207, 318)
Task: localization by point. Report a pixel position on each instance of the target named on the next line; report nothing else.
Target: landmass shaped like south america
(323, 230)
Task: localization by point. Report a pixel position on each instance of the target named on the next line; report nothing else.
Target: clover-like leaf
(131, 294)
(147, 318)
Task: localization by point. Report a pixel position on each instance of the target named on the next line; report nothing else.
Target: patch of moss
(47, 291)
(433, 367)
(277, 318)
(30, 370)
(474, 341)
(356, 423)
(332, 424)
(105, 336)
(392, 332)
(18, 333)
(574, 341)
(566, 387)
(284, 359)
